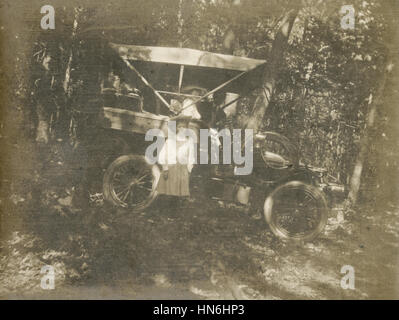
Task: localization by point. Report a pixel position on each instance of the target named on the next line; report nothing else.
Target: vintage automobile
(290, 194)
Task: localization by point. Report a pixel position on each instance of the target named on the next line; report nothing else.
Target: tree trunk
(180, 23)
(386, 102)
(365, 140)
(229, 41)
(67, 79)
(274, 61)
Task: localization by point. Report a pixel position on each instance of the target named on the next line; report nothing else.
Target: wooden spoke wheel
(130, 182)
(296, 211)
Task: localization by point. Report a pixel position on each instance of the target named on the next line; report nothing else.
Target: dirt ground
(194, 251)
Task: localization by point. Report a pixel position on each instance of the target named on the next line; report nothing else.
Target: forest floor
(193, 252)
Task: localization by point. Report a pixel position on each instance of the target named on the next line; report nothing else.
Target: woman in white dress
(177, 158)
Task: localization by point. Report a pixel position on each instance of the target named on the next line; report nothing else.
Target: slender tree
(271, 73)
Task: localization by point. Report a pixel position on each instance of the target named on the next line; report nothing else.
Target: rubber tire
(107, 182)
(268, 210)
(286, 143)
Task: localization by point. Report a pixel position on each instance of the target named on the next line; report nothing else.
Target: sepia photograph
(199, 150)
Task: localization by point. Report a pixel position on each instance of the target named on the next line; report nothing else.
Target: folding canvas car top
(184, 56)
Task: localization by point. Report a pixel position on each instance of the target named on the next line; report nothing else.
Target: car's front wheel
(296, 211)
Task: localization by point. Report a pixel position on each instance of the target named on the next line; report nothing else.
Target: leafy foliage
(324, 88)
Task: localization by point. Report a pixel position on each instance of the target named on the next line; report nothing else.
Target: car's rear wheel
(130, 182)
